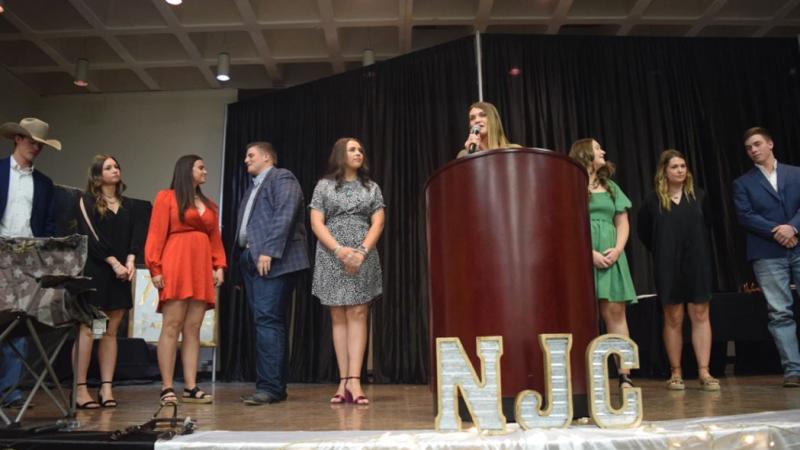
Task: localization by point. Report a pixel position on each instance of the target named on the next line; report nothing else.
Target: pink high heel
(360, 400)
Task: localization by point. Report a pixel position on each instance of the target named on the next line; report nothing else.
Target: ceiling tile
(278, 11)
(207, 12)
(178, 78)
(523, 8)
(238, 44)
(126, 13)
(428, 36)
(6, 27)
(660, 30)
(605, 8)
(750, 8)
(154, 47)
(589, 30)
(676, 8)
(517, 29)
(787, 31)
(445, 9)
(48, 15)
(365, 9)
(51, 83)
(117, 80)
(301, 43)
(383, 40)
(728, 31)
(23, 54)
(95, 49)
(299, 73)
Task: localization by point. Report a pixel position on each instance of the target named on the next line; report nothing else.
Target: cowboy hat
(32, 128)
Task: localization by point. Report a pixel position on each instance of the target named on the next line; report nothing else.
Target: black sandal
(196, 395)
(168, 393)
(110, 403)
(625, 378)
(91, 404)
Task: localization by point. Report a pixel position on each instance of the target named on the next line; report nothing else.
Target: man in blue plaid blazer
(271, 230)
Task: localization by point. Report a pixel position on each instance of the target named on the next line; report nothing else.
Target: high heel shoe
(91, 404)
(110, 403)
(340, 398)
(360, 400)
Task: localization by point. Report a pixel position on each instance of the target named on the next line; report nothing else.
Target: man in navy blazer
(26, 210)
(767, 200)
(271, 230)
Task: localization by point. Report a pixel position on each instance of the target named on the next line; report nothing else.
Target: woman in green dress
(608, 215)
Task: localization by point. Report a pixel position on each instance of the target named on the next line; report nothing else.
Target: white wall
(17, 100)
(145, 131)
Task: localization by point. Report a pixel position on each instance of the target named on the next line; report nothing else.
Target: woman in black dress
(107, 218)
(673, 226)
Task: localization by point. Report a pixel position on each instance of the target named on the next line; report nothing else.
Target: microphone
(476, 130)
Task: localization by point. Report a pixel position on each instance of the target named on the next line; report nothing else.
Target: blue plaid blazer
(276, 226)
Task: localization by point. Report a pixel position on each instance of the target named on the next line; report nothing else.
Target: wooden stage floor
(399, 407)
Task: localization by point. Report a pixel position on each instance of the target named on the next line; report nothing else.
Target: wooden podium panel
(509, 253)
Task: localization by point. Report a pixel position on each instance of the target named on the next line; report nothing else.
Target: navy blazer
(760, 209)
(276, 226)
(43, 222)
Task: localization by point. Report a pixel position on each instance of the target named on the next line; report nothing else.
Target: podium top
(496, 153)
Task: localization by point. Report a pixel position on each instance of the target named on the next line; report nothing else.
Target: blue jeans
(774, 276)
(11, 367)
(268, 299)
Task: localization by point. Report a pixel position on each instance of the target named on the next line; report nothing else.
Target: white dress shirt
(772, 176)
(16, 220)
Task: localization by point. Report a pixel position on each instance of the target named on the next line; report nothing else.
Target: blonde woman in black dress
(673, 226)
(347, 217)
(108, 219)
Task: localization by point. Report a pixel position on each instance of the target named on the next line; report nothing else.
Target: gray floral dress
(348, 212)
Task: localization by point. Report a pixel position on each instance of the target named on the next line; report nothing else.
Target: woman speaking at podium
(486, 130)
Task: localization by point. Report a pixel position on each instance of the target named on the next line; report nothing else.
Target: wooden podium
(509, 253)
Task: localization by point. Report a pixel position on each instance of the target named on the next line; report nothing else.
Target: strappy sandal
(196, 395)
(675, 383)
(168, 397)
(624, 378)
(339, 398)
(110, 403)
(91, 404)
(360, 400)
(709, 383)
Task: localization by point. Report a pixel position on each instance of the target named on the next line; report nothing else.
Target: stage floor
(399, 407)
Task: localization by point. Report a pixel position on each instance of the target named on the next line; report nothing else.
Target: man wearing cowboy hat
(26, 210)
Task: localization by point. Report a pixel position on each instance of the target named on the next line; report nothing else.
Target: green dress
(613, 284)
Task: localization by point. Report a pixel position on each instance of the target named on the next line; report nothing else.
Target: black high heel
(91, 404)
(625, 378)
(110, 403)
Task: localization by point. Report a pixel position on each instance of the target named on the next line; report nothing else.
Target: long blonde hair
(582, 151)
(95, 183)
(662, 184)
(496, 135)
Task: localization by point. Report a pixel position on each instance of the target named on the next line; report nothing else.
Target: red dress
(184, 253)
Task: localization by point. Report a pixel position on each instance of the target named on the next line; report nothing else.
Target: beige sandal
(675, 383)
(709, 384)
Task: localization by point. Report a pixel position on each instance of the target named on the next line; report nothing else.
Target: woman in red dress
(186, 260)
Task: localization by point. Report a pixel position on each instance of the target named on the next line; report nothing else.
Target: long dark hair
(338, 161)
(182, 184)
(95, 183)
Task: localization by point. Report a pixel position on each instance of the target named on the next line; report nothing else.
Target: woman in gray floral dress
(347, 217)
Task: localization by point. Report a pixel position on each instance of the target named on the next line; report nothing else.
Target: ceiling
(148, 45)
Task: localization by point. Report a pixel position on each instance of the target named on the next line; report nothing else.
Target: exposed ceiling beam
(28, 33)
(559, 16)
(635, 16)
(707, 17)
(331, 35)
(255, 32)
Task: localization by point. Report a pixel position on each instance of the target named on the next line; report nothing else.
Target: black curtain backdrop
(640, 96)
(637, 96)
(410, 113)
